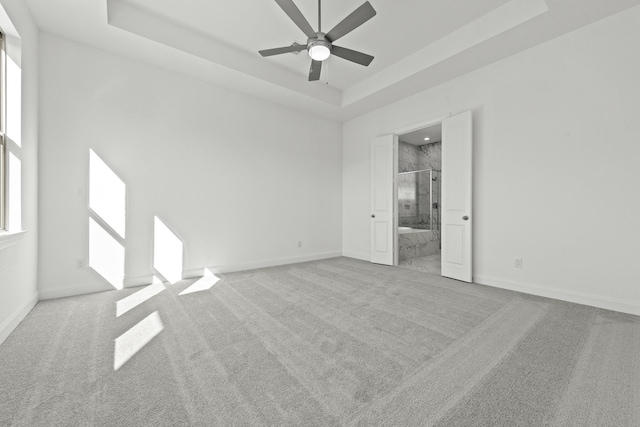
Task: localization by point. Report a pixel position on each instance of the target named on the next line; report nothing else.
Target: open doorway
(451, 223)
(419, 200)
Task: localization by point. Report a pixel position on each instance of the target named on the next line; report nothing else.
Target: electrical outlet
(81, 263)
(518, 263)
(299, 243)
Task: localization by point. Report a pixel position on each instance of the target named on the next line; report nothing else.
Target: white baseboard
(221, 269)
(134, 281)
(16, 317)
(593, 300)
(355, 255)
(74, 291)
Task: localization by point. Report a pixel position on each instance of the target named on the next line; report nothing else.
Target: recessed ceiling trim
(171, 34)
(214, 49)
(482, 29)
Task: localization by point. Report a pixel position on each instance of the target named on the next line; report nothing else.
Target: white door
(383, 168)
(457, 217)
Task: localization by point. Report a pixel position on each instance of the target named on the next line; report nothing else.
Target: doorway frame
(397, 132)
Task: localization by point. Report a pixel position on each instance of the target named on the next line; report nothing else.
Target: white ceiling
(417, 44)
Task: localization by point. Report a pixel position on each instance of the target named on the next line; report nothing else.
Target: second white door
(457, 218)
(383, 169)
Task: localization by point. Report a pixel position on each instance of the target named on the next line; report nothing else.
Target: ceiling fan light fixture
(319, 50)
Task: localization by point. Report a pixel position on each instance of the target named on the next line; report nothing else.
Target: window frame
(3, 142)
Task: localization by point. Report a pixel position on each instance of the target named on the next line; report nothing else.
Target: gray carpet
(332, 342)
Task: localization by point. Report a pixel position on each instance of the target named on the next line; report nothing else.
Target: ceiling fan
(320, 45)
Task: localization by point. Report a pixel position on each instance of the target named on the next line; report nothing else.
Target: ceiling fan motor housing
(319, 47)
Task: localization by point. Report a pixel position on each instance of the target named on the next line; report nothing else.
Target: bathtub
(417, 243)
(406, 230)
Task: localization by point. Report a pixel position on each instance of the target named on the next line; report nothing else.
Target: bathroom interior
(419, 201)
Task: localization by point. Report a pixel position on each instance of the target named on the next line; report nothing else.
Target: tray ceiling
(417, 44)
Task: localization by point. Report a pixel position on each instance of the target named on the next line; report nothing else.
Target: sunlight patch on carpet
(134, 300)
(134, 340)
(205, 283)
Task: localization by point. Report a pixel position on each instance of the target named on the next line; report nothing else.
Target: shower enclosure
(418, 214)
(419, 200)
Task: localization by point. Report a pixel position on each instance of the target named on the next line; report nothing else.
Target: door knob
(465, 217)
(373, 215)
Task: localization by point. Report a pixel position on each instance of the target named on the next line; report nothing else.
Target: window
(3, 148)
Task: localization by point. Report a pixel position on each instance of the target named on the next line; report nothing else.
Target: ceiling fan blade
(296, 16)
(278, 50)
(351, 22)
(314, 71)
(352, 55)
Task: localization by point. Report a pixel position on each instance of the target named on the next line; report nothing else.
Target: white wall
(556, 165)
(18, 253)
(237, 179)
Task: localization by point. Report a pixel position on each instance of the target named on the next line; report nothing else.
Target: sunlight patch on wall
(205, 283)
(132, 341)
(107, 194)
(15, 193)
(107, 200)
(106, 255)
(167, 252)
(135, 299)
(14, 101)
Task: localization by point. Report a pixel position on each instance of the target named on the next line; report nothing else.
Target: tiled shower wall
(430, 156)
(408, 157)
(414, 158)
